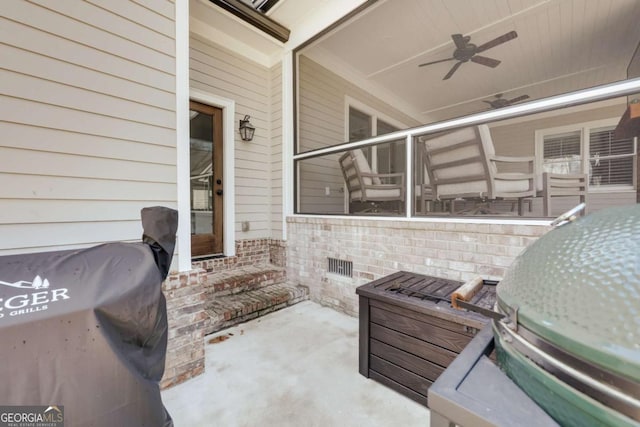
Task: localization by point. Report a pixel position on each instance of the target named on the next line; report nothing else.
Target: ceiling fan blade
(488, 102)
(459, 40)
(435, 62)
(518, 99)
(452, 70)
(489, 62)
(498, 40)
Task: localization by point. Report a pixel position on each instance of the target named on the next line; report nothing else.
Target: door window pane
(201, 143)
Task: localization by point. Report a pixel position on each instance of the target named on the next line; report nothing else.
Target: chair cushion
(478, 188)
(363, 166)
(383, 194)
(511, 186)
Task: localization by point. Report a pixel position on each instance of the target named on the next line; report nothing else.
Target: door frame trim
(228, 107)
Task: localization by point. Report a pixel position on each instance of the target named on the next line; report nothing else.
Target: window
(611, 160)
(589, 148)
(384, 158)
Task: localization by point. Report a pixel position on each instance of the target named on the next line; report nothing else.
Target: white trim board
(287, 139)
(183, 186)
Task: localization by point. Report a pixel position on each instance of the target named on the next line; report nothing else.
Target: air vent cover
(340, 266)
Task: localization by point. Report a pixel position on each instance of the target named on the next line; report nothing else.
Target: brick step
(242, 279)
(229, 310)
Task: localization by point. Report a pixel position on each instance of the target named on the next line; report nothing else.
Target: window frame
(375, 116)
(584, 128)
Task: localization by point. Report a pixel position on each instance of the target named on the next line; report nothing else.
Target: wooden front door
(206, 179)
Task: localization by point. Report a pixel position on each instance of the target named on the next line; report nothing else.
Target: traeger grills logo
(38, 298)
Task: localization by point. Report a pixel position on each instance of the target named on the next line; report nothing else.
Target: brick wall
(378, 248)
(248, 252)
(278, 253)
(186, 316)
(186, 298)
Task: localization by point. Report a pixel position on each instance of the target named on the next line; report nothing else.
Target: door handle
(219, 192)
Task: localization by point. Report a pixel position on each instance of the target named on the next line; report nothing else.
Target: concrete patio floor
(295, 367)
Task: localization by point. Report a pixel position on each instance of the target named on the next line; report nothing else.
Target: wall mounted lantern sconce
(246, 129)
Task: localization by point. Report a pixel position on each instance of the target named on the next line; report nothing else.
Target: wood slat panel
(400, 375)
(459, 328)
(363, 339)
(416, 303)
(423, 349)
(399, 388)
(442, 337)
(408, 361)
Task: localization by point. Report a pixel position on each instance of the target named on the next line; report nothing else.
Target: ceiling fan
(466, 51)
(500, 102)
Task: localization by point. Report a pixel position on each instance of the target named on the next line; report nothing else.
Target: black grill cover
(87, 329)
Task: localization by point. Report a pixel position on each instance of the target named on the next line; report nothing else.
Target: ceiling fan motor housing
(465, 54)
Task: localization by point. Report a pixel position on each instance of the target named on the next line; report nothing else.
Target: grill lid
(578, 287)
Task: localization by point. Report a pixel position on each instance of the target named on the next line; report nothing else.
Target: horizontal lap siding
(321, 103)
(219, 72)
(88, 120)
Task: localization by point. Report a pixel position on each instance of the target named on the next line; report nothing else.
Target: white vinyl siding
(220, 72)
(88, 121)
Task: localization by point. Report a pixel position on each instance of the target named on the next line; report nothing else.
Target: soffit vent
(340, 267)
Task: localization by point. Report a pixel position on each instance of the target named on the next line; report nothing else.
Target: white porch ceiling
(304, 18)
(562, 46)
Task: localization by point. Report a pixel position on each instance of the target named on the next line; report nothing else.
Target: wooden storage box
(408, 339)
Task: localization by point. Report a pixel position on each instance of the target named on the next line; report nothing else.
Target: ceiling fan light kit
(500, 102)
(466, 51)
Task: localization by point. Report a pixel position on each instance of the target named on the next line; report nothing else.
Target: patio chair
(368, 187)
(426, 198)
(562, 185)
(462, 164)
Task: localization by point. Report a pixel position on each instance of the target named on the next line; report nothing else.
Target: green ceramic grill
(570, 337)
